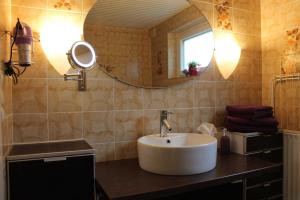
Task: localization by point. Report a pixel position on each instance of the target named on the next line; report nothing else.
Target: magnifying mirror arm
(80, 76)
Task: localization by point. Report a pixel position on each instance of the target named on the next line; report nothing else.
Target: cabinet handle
(267, 152)
(55, 159)
(267, 185)
(239, 181)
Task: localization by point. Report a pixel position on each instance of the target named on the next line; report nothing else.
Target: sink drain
(168, 141)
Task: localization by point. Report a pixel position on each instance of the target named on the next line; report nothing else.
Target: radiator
(291, 165)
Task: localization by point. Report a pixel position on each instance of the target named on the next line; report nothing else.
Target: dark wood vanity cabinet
(51, 176)
(267, 186)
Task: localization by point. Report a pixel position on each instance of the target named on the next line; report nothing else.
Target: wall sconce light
(82, 57)
(57, 36)
(227, 53)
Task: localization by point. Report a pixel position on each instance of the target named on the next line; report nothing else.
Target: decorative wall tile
(224, 16)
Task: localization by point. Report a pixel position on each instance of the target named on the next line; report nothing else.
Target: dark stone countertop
(124, 179)
(49, 149)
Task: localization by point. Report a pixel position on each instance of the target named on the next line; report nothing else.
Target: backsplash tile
(128, 125)
(98, 127)
(65, 126)
(30, 128)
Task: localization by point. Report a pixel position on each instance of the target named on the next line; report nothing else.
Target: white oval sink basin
(178, 153)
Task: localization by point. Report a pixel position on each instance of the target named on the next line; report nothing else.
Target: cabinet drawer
(264, 191)
(260, 142)
(276, 174)
(273, 155)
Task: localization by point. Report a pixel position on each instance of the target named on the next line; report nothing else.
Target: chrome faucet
(164, 123)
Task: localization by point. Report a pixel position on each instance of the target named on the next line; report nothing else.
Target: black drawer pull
(267, 185)
(267, 152)
(55, 159)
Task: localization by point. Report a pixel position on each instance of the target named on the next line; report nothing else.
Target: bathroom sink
(178, 153)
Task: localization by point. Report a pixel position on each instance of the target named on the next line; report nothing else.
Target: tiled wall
(5, 95)
(111, 115)
(281, 55)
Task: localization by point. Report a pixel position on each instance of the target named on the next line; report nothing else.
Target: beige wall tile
(182, 121)
(246, 22)
(127, 97)
(253, 5)
(30, 3)
(156, 98)
(181, 96)
(126, 150)
(151, 122)
(224, 93)
(205, 94)
(65, 126)
(98, 127)
(63, 96)
(99, 95)
(29, 96)
(128, 125)
(202, 115)
(30, 128)
(104, 152)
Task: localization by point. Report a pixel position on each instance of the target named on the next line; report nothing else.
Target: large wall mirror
(150, 43)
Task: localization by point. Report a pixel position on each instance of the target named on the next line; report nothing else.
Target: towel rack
(280, 79)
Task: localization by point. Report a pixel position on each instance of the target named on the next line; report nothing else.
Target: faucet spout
(167, 125)
(164, 123)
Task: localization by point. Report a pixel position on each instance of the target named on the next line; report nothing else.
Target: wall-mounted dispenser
(82, 57)
(23, 38)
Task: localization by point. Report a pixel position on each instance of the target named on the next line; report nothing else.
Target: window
(198, 49)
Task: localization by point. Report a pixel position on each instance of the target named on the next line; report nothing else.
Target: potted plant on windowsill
(193, 68)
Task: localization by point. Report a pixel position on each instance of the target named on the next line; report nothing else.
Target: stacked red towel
(251, 119)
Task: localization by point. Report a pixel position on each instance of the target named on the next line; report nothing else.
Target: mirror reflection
(150, 43)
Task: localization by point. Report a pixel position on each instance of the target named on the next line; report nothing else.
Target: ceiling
(134, 13)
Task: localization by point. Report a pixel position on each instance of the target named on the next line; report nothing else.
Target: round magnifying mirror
(82, 55)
